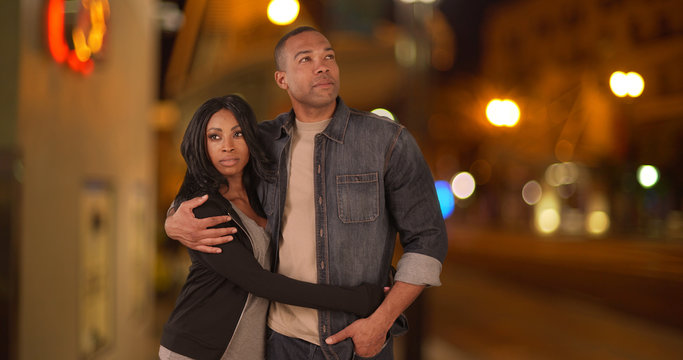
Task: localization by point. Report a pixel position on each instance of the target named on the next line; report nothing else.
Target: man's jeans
(281, 347)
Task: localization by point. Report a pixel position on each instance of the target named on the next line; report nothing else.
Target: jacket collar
(335, 131)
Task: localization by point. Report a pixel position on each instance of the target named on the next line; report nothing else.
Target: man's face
(310, 73)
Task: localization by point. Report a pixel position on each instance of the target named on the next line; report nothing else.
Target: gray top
(249, 339)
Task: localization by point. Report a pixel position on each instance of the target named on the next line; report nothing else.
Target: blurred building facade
(78, 186)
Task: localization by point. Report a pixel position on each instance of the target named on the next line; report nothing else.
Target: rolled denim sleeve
(418, 269)
(412, 202)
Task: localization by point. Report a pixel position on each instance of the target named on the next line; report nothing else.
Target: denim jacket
(371, 183)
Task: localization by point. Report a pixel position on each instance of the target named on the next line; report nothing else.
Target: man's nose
(322, 68)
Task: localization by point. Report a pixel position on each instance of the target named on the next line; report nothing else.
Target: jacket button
(321, 232)
(318, 168)
(320, 200)
(322, 265)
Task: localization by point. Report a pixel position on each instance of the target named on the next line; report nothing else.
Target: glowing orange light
(502, 112)
(87, 36)
(55, 30)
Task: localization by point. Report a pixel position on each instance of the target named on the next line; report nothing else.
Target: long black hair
(201, 176)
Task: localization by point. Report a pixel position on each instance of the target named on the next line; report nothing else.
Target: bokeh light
(445, 196)
(502, 112)
(561, 174)
(547, 213)
(648, 176)
(636, 84)
(548, 221)
(597, 223)
(532, 192)
(622, 84)
(283, 12)
(383, 112)
(463, 185)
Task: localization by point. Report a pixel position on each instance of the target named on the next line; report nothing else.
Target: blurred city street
(504, 297)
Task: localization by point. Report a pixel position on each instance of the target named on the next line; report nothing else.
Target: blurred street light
(283, 12)
(383, 112)
(463, 185)
(648, 176)
(502, 112)
(622, 84)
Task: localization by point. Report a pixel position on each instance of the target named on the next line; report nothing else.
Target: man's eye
(330, 57)
(304, 59)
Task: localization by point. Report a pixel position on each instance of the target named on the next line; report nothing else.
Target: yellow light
(648, 176)
(548, 221)
(617, 82)
(597, 223)
(547, 213)
(95, 38)
(283, 12)
(502, 112)
(636, 84)
(383, 112)
(80, 47)
(622, 84)
(463, 185)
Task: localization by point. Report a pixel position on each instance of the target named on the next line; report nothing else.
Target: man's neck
(313, 114)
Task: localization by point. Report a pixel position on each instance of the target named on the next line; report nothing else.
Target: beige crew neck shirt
(297, 250)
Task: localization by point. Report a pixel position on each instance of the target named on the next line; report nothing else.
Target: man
(348, 182)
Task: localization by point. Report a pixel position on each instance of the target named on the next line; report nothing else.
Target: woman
(216, 316)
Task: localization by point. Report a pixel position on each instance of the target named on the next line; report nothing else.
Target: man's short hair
(279, 62)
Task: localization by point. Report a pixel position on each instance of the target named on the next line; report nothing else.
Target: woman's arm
(237, 264)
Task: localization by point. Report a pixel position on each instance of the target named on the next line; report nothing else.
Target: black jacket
(212, 300)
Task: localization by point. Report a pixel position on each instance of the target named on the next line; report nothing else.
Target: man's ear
(281, 79)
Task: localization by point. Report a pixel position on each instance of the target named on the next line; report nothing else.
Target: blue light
(445, 196)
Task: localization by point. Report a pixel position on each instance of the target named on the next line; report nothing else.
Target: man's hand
(194, 233)
(369, 334)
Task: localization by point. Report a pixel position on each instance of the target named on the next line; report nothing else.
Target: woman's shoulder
(215, 205)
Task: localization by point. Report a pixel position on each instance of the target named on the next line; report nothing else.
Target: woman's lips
(228, 162)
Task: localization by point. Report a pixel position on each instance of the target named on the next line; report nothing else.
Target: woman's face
(225, 144)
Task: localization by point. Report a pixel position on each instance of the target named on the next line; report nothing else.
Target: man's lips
(323, 82)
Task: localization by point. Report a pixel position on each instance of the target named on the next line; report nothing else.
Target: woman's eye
(238, 134)
(214, 137)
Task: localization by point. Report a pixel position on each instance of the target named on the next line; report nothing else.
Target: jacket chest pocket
(358, 197)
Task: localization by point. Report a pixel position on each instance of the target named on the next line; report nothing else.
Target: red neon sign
(87, 34)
